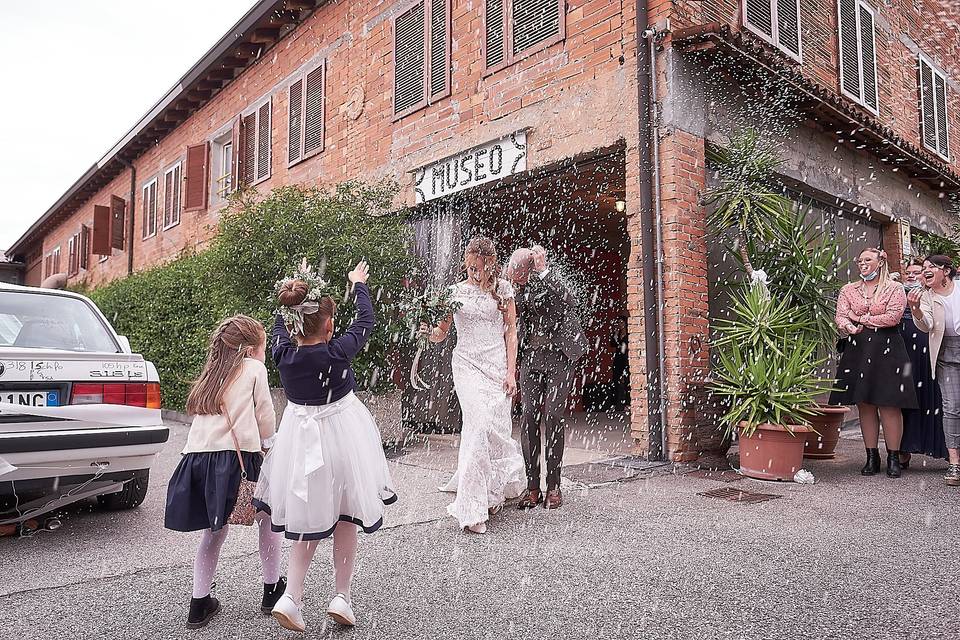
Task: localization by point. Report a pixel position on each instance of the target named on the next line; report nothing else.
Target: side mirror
(124, 344)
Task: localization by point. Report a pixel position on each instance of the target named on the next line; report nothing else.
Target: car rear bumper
(54, 454)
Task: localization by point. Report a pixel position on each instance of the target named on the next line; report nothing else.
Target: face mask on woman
(910, 286)
(870, 277)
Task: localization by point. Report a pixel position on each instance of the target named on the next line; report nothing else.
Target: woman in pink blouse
(874, 371)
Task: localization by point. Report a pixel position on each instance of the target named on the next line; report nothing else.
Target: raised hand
(913, 298)
(360, 273)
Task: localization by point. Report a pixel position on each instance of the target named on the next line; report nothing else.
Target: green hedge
(169, 311)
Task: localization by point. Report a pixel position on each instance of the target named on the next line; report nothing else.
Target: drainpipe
(132, 213)
(650, 236)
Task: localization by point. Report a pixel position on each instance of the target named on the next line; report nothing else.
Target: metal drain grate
(719, 476)
(738, 495)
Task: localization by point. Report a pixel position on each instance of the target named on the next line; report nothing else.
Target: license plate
(38, 398)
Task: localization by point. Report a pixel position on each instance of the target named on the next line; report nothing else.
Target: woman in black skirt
(923, 427)
(874, 370)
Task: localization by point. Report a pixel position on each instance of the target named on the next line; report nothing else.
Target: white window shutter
(928, 110)
(788, 25)
(940, 102)
(759, 15)
(868, 57)
(849, 48)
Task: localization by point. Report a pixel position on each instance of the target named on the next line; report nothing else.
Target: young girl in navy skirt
(327, 474)
(203, 490)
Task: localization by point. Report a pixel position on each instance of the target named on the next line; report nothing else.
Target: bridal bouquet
(430, 307)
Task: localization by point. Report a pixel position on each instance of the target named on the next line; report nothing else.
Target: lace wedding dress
(490, 463)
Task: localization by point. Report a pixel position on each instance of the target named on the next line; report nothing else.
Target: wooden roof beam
(265, 36)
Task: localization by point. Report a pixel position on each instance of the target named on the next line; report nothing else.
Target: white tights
(208, 555)
(344, 557)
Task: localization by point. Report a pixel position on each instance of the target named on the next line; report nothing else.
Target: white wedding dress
(490, 463)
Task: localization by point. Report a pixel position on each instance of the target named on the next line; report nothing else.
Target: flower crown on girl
(317, 288)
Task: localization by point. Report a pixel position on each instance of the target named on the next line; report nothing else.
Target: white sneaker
(288, 614)
(341, 611)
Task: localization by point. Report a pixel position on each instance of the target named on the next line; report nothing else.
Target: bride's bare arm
(510, 337)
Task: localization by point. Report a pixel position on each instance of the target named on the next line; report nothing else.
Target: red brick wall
(927, 23)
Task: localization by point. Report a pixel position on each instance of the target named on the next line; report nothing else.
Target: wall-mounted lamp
(621, 206)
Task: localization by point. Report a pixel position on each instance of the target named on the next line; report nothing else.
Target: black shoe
(904, 460)
(272, 593)
(872, 467)
(202, 611)
(893, 464)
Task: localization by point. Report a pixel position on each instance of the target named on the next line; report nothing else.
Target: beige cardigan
(250, 407)
(930, 320)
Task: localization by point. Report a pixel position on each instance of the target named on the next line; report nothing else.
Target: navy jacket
(321, 373)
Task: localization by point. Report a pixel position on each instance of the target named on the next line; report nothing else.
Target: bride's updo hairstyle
(292, 294)
(483, 248)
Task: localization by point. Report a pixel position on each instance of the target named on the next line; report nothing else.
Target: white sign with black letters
(491, 161)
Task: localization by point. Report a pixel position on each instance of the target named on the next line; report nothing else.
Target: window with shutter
(47, 266)
(421, 55)
(295, 122)
(306, 116)
(777, 22)
(73, 263)
(56, 260)
(933, 108)
(84, 247)
(148, 206)
(858, 55)
(172, 203)
(101, 230)
(118, 214)
(255, 145)
(195, 188)
(263, 142)
(517, 28)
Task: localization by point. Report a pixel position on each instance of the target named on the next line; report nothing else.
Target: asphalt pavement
(648, 557)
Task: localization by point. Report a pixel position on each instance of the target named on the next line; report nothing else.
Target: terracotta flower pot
(771, 452)
(821, 444)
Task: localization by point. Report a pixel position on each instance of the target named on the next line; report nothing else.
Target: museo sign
(485, 163)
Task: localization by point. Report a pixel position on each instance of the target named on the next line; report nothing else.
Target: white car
(58, 350)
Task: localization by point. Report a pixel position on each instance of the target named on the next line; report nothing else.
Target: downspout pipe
(131, 213)
(649, 240)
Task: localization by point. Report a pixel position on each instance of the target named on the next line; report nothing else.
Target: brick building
(541, 120)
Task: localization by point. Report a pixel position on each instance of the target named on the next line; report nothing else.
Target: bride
(489, 464)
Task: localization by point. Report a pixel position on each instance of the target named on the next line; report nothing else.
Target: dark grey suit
(551, 342)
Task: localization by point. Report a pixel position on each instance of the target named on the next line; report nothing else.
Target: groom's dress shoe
(530, 499)
(554, 499)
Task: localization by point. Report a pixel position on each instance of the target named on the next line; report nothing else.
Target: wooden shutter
(118, 211)
(940, 102)
(56, 260)
(101, 230)
(535, 21)
(84, 247)
(495, 24)
(236, 161)
(788, 25)
(849, 48)
(313, 110)
(928, 108)
(410, 59)
(48, 266)
(149, 208)
(439, 48)
(759, 14)
(73, 263)
(197, 174)
(263, 141)
(248, 143)
(868, 57)
(295, 122)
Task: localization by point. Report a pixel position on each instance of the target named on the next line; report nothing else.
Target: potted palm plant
(770, 351)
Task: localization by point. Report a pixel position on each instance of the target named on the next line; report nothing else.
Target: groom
(551, 342)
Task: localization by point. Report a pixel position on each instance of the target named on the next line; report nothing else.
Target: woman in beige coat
(936, 311)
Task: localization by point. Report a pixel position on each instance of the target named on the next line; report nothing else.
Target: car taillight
(131, 394)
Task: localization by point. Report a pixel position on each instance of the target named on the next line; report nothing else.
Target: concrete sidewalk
(848, 557)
